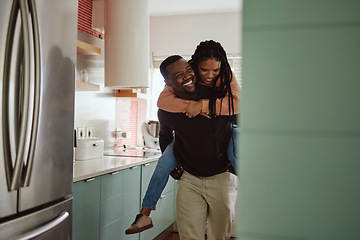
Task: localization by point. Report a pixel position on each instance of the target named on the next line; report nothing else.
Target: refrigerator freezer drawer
(53, 223)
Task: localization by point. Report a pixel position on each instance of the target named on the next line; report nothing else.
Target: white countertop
(99, 166)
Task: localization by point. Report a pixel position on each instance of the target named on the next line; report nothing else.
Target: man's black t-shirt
(200, 143)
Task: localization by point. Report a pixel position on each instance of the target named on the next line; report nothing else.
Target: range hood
(127, 44)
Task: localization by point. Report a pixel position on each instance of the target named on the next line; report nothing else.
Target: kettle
(150, 132)
(153, 128)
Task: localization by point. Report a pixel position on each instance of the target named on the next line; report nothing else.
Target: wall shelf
(84, 48)
(131, 93)
(84, 86)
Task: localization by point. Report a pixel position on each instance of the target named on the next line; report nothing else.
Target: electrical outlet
(117, 133)
(89, 132)
(81, 132)
(125, 134)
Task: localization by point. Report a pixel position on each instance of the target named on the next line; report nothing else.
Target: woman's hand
(193, 109)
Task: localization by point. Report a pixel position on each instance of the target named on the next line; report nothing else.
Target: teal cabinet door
(164, 215)
(131, 199)
(111, 185)
(127, 220)
(112, 231)
(120, 202)
(111, 198)
(146, 173)
(86, 193)
(131, 190)
(86, 223)
(105, 206)
(111, 210)
(86, 211)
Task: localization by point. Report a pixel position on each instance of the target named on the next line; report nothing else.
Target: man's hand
(193, 109)
(177, 172)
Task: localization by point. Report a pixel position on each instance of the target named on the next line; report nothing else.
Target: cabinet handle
(113, 173)
(133, 167)
(90, 179)
(146, 164)
(162, 196)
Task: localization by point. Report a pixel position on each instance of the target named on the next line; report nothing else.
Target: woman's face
(209, 70)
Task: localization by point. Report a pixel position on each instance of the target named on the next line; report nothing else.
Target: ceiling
(180, 7)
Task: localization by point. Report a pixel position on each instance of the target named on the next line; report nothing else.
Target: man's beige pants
(206, 204)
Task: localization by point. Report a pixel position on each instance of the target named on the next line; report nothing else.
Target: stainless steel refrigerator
(37, 71)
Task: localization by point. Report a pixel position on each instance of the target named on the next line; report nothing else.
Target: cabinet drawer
(131, 190)
(86, 193)
(112, 231)
(86, 223)
(147, 171)
(166, 216)
(111, 210)
(162, 217)
(131, 178)
(111, 185)
(131, 201)
(170, 185)
(127, 220)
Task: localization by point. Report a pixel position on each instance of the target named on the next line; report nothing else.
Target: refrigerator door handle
(46, 227)
(13, 172)
(37, 90)
(24, 109)
(6, 88)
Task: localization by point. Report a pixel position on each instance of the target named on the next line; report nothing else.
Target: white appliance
(150, 133)
(89, 148)
(37, 70)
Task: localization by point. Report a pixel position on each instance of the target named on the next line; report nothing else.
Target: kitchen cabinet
(111, 200)
(131, 199)
(98, 18)
(120, 201)
(164, 215)
(86, 209)
(105, 206)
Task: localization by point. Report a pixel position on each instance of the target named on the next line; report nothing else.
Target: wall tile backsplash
(126, 118)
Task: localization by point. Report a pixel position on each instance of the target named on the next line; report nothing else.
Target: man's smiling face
(181, 78)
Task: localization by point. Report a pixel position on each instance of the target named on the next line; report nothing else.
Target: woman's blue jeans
(166, 164)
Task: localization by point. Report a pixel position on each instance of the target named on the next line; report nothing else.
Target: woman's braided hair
(221, 85)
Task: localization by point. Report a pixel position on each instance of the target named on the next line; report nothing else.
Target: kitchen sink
(140, 152)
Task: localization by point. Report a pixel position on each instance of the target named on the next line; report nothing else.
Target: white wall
(180, 34)
(97, 110)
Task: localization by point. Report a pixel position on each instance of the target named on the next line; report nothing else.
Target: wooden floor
(175, 236)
